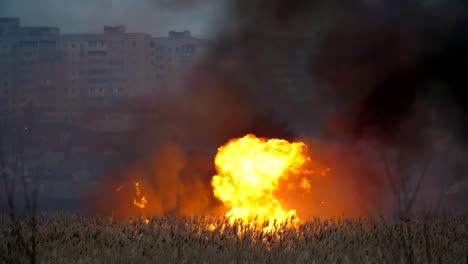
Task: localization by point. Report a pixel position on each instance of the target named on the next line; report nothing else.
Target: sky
(156, 17)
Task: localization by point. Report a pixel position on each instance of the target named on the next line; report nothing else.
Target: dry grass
(75, 239)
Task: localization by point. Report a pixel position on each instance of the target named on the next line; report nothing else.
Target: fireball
(248, 173)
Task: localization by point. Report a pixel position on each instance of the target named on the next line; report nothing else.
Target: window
(189, 48)
(92, 43)
(28, 54)
(97, 80)
(118, 43)
(28, 44)
(115, 61)
(48, 43)
(97, 72)
(97, 53)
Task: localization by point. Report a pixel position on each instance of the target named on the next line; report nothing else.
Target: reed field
(66, 238)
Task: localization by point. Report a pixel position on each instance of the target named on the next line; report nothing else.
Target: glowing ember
(248, 174)
(140, 201)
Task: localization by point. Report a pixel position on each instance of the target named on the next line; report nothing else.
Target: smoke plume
(376, 87)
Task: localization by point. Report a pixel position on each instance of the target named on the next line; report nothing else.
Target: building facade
(31, 72)
(173, 57)
(106, 68)
(63, 77)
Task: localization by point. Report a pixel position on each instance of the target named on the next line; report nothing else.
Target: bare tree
(23, 226)
(405, 183)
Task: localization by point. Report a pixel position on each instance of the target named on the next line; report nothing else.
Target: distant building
(7, 42)
(60, 78)
(57, 91)
(31, 69)
(173, 56)
(107, 67)
(8, 24)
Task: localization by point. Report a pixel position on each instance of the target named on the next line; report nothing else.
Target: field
(74, 239)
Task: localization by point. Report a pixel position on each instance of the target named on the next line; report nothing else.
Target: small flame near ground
(140, 200)
(249, 170)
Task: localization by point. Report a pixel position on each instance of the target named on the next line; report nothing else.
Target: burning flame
(139, 201)
(248, 174)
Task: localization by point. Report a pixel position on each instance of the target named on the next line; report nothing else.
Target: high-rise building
(8, 24)
(7, 27)
(57, 91)
(107, 67)
(61, 78)
(31, 69)
(174, 55)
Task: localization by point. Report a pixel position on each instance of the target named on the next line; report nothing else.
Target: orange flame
(140, 201)
(248, 174)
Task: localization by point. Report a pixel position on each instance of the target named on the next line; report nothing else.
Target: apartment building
(7, 26)
(105, 68)
(30, 69)
(173, 57)
(64, 77)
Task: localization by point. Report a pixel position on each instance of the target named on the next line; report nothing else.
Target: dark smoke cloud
(378, 58)
(387, 64)
(384, 74)
(369, 79)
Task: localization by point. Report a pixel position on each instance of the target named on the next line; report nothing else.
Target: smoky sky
(380, 63)
(389, 71)
(155, 17)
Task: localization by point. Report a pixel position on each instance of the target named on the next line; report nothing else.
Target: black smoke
(386, 75)
(364, 77)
